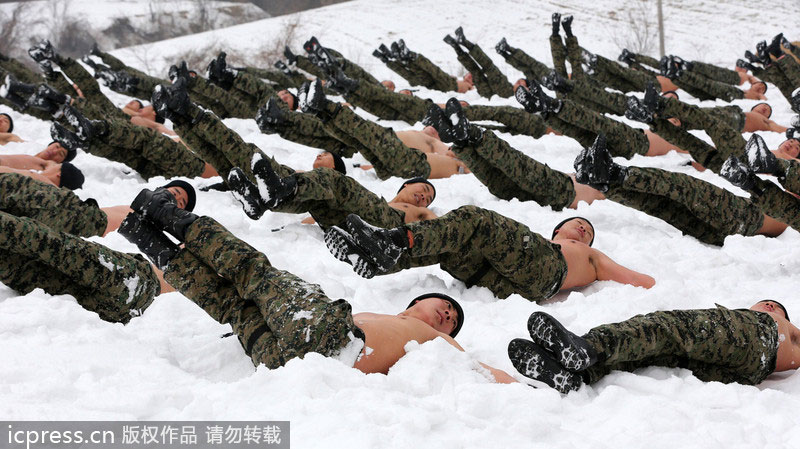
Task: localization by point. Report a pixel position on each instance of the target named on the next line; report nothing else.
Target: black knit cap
(71, 177)
(71, 153)
(418, 180)
(677, 97)
(190, 193)
(296, 101)
(759, 104)
(338, 164)
(452, 302)
(558, 226)
(10, 122)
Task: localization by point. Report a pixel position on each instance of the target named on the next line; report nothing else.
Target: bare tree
(12, 27)
(638, 30)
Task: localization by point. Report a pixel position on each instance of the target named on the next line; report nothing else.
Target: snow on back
(171, 364)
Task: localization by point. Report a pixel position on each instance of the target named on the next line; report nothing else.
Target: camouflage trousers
(588, 93)
(88, 85)
(408, 73)
(507, 173)
(20, 71)
(282, 80)
(488, 79)
(146, 150)
(355, 71)
(773, 74)
(145, 83)
(715, 344)
(251, 93)
(716, 73)
(707, 89)
(381, 146)
(388, 105)
(430, 75)
(276, 315)
(20, 105)
(609, 73)
(58, 208)
(776, 202)
(482, 247)
(515, 120)
(217, 99)
(115, 285)
(732, 115)
(697, 208)
(791, 70)
(308, 130)
(303, 63)
(528, 65)
(583, 125)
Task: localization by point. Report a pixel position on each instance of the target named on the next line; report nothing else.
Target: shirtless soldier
(743, 346)
(276, 315)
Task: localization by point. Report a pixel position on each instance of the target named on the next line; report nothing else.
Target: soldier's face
(790, 147)
(287, 98)
(418, 194)
(5, 124)
(324, 160)
(763, 109)
(54, 152)
(576, 229)
(389, 84)
(431, 131)
(133, 105)
(147, 112)
(769, 307)
(181, 197)
(436, 312)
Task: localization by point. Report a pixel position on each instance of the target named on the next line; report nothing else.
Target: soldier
(381, 146)
(46, 171)
(488, 79)
(276, 315)
(695, 207)
(742, 346)
(704, 88)
(482, 247)
(735, 77)
(528, 65)
(514, 121)
(282, 76)
(148, 152)
(419, 70)
(506, 172)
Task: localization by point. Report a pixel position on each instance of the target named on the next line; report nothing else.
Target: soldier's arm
(24, 162)
(28, 173)
(608, 270)
(9, 137)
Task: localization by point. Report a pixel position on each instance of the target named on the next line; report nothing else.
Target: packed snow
(60, 361)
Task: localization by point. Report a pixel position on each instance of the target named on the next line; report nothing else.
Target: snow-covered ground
(61, 362)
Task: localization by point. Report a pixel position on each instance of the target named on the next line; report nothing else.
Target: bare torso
(386, 337)
(422, 142)
(788, 344)
(580, 270)
(413, 213)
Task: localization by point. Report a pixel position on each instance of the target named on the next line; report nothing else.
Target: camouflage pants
(559, 54)
(308, 130)
(20, 71)
(791, 70)
(707, 89)
(515, 120)
(276, 315)
(773, 74)
(479, 79)
(164, 156)
(115, 285)
(497, 80)
(145, 84)
(623, 141)
(697, 208)
(611, 74)
(407, 72)
(588, 93)
(482, 247)
(388, 155)
(20, 106)
(213, 97)
(330, 197)
(777, 203)
(303, 63)
(715, 344)
(355, 71)
(510, 174)
(88, 85)
(716, 73)
(647, 60)
(528, 65)
(55, 207)
(281, 80)
(437, 78)
(388, 105)
(791, 174)
(732, 115)
(251, 93)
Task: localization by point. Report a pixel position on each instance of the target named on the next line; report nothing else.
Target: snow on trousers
(715, 344)
(482, 247)
(508, 173)
(117, 286)
(697, 208)
(276, 315)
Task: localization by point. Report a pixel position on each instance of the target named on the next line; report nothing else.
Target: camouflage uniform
(428, 74)
(732, 115)
(145, 150)
(276, 315)
(515, 120)
(116, 285)
(379, 145)
(481, 247)
(308, 130)
(388, 105)
(488, 79)
(624, 79)
(589, 94)
(143, 88)
(790, 68)
(213, 97)
(559, 54)
(510, 174)
(777, 203)
(773, 74)
(303, 63)
(528, 65)
(623, 141)
(715, 344)
(697, 208)
(89, 87)
(38, 113)
(707, 89)
(20, 71)
(407, 72)
(281, 79)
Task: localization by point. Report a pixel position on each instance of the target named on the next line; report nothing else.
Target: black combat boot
(595, 167)
(149, 239)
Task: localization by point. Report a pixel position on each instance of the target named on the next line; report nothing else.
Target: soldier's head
(134, 105)
(439, 311)
(574, 228)
(770, 305)
(6, 123)
(670, 94)
(148, 112)
(57, 153)
(289, 98)
(183, 192)
(520, 82)
(406, 92)
(330, 160)
(790, 147)
(763, 109)
(64, 175)
(389, 84)
(756, 91)
(417, 191)
(431, 131)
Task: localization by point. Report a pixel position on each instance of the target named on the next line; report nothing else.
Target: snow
(60, 361)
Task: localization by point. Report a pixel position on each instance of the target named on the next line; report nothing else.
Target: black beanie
(558, 226)
(192, 196)
(449, 299)
(10, 122)
(71, 177)
(677, 97)
(418, 180)
(338, 164)
(296, 101)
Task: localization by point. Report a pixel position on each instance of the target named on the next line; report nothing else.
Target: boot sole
(532, 361)
(570, 350)
(344, 248)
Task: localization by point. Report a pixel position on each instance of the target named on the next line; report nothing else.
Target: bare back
(386, 337)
